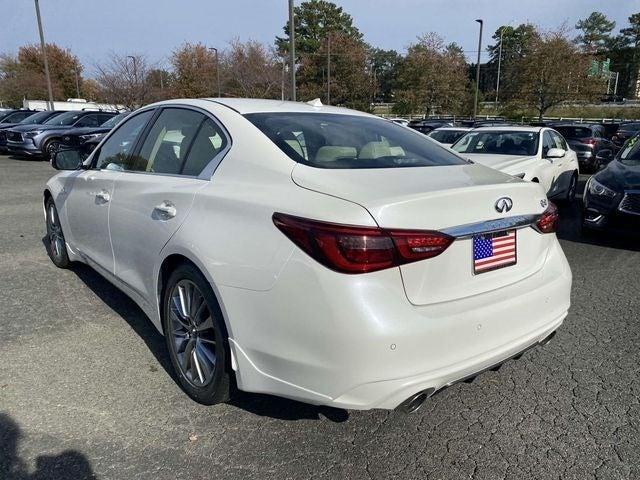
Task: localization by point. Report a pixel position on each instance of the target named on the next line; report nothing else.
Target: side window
(559, 141)
(114, 153)
(208, 142)
(547, 143)
(165, 148)
(88, 121)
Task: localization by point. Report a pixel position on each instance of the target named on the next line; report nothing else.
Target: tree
(433, 77)
(350, 77)
(194, 67)
(596, 32)
(252, 70)
(516, 44)
(123, 80)
(314, 19)
(22, 76)
(542, 85)
(384, 65)
(631, 34)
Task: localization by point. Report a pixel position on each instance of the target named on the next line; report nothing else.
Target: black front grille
(71, 140)
(14, 136)
(630, 203)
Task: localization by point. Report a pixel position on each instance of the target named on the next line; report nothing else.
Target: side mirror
(68, 159)
(556, 153)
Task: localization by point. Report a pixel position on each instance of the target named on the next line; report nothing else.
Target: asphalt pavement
(85, 388)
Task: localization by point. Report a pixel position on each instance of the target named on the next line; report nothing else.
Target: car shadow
(68, 465)
(258, 404)
(570, 228)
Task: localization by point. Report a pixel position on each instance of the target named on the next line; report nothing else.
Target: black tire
(56, 245)
(205, 380)
(51, 147)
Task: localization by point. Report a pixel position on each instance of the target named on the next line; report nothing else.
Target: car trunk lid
(459, 200)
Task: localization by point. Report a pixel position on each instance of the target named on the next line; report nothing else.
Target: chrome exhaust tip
(415, 401)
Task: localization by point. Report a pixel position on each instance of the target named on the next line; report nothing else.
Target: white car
(311, 252)
(537, 154)
(447, 136)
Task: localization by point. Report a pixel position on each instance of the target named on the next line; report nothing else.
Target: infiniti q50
(311, 252)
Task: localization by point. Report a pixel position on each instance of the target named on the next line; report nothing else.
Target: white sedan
(311, 252)
(537, 154)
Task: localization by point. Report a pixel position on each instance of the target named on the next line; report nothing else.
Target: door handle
(166, 210)
(102, 195)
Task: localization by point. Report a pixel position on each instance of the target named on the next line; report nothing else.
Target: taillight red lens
(354, 249)
(589, 141)
(548, 222)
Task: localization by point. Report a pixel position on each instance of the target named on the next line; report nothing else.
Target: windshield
(447, 136)
(16, 117)
(36, 118)
(350, 141)
(630, 153)
(574, 132)
(67, 118)
(502, 142)
(113, 121)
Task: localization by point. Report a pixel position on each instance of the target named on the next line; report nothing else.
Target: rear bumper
(356, 342)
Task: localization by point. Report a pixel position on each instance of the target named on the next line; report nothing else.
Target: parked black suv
(587, 140)
(14, 116)
(625, 132)
(75, 137)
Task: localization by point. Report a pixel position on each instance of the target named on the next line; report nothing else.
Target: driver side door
(90, 195)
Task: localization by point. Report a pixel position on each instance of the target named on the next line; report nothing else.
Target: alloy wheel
(56, 237)
(193, 333)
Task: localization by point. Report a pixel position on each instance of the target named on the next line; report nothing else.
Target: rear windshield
(447, 136)
(574, 132)
(349, 141)
(502, 142)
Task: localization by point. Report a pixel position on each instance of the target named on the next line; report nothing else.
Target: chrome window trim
(489, 226)
(207, 172)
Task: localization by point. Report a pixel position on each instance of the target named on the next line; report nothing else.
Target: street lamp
(292, 50)
(475, 103)
(499, 64)
(217, 70)
(135, 69)
(44, 55)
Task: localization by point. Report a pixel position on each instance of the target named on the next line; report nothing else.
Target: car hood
(511, 164)
(28, 128)
(6, 126)
(86, 130)
(620, 177)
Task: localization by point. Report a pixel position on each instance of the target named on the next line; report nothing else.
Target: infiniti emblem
(503, 204)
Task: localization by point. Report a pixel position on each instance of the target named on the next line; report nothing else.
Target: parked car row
(39, 134)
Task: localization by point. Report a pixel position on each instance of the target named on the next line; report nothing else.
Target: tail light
(589, 141)
(354, 249)
(548, 222)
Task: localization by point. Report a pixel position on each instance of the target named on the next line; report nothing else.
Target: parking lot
(85, 388)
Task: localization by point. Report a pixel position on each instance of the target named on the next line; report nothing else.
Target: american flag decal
(494, 250)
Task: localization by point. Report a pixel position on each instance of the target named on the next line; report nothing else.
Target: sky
(92, 29)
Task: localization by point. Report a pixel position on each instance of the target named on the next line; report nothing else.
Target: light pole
(292, 50)
(214, 49)
(135, 69)
(75, 71)
(329, 69)
(475, 103)
(44, 55)
(499, 64)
